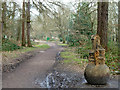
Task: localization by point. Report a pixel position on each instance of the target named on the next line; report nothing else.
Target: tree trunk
(28, 24)
(102, 25)
(18, 34)
(23, 24)
(1, 28)
(119, 30)
(19, 30)
(3, 19)
(13, 17)
(14, 9)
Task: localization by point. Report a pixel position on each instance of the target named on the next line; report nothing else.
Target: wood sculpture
(96, 71)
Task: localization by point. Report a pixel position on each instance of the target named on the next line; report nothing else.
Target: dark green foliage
(83, 51)
(61, 38)
(112, 56)
(7, 45)
(80, 25)
(73, 41)
(82, 20)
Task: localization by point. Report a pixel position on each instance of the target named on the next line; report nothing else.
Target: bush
(7, 45)
(112, 56)
(83, 51)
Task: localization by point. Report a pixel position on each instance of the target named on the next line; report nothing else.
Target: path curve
(27, 72)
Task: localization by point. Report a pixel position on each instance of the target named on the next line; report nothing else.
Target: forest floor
(46, 70)
(26, 73)
(71, 76)
(67, 74)
(10, 57)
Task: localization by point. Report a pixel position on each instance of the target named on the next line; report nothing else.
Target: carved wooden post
(96, 71)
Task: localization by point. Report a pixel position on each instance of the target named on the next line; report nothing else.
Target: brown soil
(71, 75)
(27, 72)
(13, 63)
(77, 69)
(32, 72)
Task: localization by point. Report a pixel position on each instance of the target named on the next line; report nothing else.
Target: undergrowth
(80, 55)
(71, 57)
(9, 55)
(112, 56)
(8, 45)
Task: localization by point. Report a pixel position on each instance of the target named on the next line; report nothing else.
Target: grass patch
(43, 46)
(9, 55)
(27, 49)
(61, 44)
(67, 61)
(68, 55)
(71, 57)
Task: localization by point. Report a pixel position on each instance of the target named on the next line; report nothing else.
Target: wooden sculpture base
(97, 74)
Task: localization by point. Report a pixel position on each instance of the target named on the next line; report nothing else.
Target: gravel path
(27, 72)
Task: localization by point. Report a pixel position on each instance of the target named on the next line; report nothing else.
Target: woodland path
(27, 72)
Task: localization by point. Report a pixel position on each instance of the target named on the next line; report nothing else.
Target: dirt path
(25, 75)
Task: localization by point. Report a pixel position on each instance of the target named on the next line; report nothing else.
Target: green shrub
(7, 45)
(112, 56)
(83, 51)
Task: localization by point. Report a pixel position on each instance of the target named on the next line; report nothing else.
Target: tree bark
(13, 17)
(23, 24)
(119, 30)
(19, 30)
(18, 33)
(1, 27)
(102, 25)
(14, 9)
(3, 19)
(28, 24)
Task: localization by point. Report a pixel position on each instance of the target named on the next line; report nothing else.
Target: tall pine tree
(23, 24)
(102, 26)
(28, 24)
